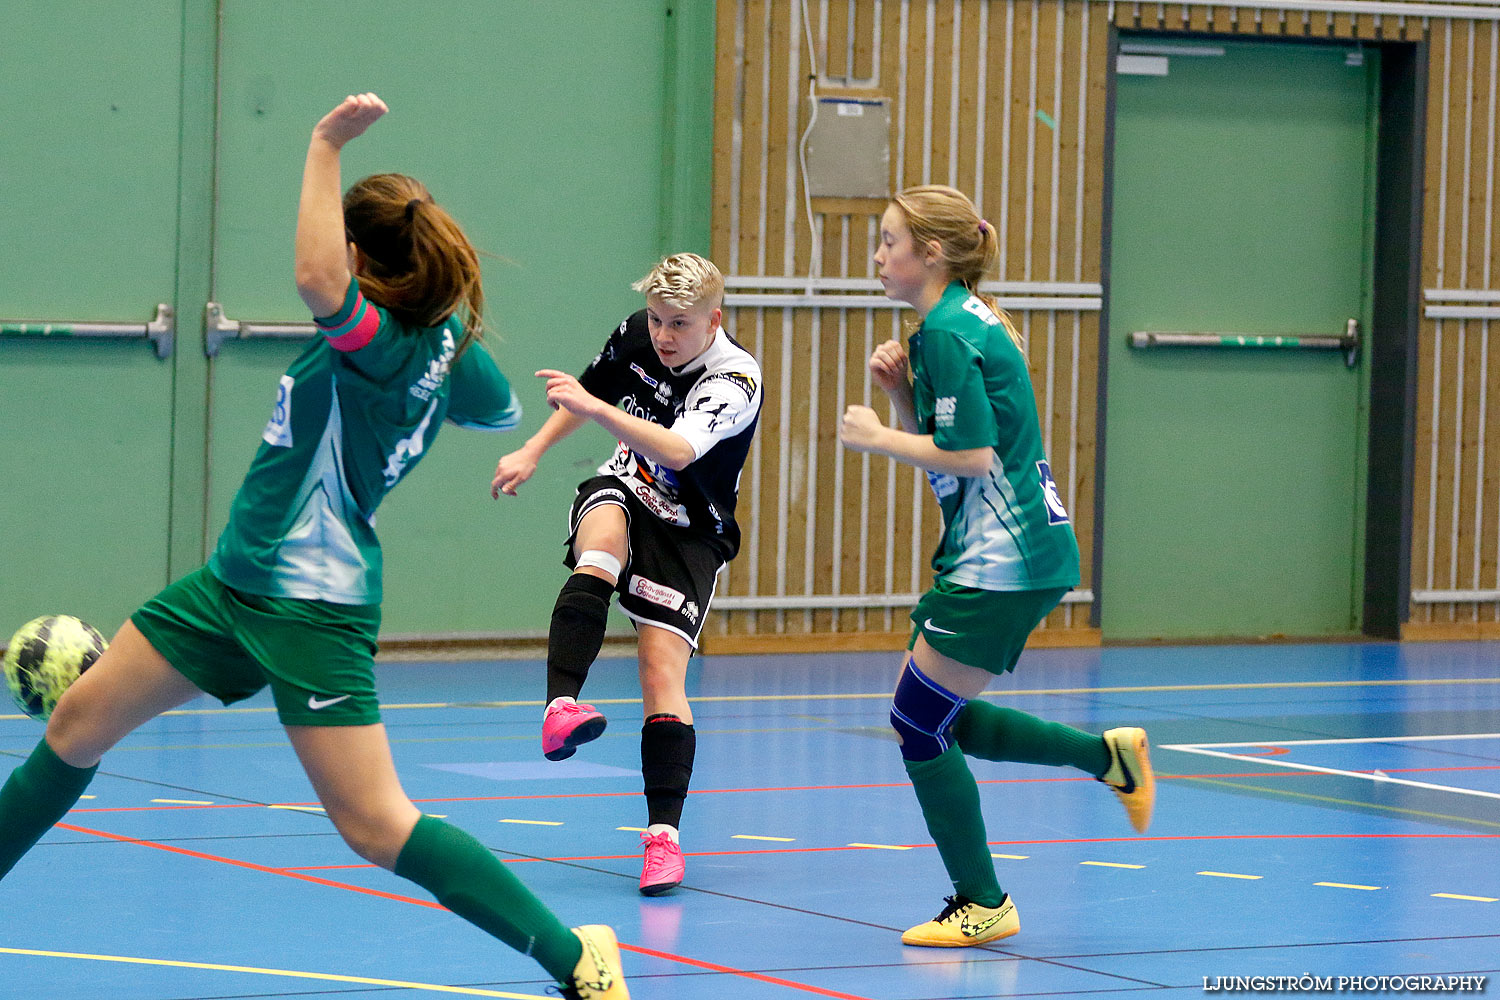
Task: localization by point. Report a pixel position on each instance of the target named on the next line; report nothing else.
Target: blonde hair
(684, 280)
(419, 266)
(969, 244)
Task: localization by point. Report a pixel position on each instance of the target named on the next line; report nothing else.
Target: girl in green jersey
(291, 597)
(968, 417)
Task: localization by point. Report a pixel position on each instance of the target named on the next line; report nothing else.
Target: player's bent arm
(660, 445)
(922, 451)
(862, 430)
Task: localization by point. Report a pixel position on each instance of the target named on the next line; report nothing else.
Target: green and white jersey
(353, 415)
(1007, 529)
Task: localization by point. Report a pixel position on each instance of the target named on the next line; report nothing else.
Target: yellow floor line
(1011, 857)
(1112, 864)
(183, 802)
(324, 976)
(882, 847)
(1472, 899)
(534, 822)
(751, 836)
(1346, 885)
(1230, 875)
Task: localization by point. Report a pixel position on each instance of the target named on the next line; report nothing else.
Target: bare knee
(379, 835)
(72, 732)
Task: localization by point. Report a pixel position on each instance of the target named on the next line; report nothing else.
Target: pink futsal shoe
(664, 869)
(567, 726)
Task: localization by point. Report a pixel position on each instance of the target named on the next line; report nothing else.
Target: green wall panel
(88, 159)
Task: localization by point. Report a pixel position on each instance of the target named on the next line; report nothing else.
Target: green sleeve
(481, 396)
(962, 417)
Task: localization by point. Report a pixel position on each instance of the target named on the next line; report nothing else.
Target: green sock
(469, 880)
(950, 803)
(36, 795)
(994, 732)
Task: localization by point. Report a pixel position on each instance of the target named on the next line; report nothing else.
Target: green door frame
(1391, 344)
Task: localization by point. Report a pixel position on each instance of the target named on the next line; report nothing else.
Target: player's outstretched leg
(1118, 758)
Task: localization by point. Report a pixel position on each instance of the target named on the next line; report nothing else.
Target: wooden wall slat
(864, 40)
(1021, 123)
(966, 151)
(942, 167)
(835, 45)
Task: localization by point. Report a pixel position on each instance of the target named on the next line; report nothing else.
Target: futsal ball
(45, 656)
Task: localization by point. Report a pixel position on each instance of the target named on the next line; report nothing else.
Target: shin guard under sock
(949, 797)
(576, 634)
(667, 749)
(36, 795)
(994, 732)
(469, 880)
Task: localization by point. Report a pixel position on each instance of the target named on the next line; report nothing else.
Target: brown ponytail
(420, 267)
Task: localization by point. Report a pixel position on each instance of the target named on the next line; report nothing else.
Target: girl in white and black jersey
(656, 525)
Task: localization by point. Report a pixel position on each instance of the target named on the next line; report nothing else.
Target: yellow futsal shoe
(964, 922)
(598, 974)
(1129, 775)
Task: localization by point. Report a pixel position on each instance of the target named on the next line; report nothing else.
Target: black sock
(667, 746)
(577, 633)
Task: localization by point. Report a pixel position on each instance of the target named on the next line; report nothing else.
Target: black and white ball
(45, 656)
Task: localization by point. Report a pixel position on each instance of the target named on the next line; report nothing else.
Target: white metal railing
(819, 602)
(1461, 303)
(1480, 10)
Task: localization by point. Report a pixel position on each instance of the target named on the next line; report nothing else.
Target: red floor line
(290, 873)
(992, 843)
(789, 788)
(760, 977)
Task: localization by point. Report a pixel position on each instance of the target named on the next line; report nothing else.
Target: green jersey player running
(291, 597)
(1007, 556)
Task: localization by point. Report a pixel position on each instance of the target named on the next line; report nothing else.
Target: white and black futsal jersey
(713, 402)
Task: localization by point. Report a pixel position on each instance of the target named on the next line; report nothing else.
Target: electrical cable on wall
(815, 255)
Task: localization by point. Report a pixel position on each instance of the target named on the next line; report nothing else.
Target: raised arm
(322, 248)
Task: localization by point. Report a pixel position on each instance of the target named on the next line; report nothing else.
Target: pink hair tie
(984, 226)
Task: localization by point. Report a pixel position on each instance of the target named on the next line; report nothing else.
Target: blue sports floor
(1331, 810)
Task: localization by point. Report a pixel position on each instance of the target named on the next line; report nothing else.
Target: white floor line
(1378, 778)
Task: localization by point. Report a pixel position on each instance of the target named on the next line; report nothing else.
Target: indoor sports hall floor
(1331, 810)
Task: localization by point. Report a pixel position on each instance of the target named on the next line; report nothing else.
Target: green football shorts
(318, 657)
(982, 628)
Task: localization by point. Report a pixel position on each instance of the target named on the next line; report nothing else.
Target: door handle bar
(159, 330)
(1348, 343)
(218, 328)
